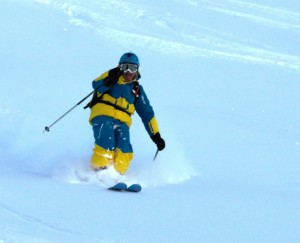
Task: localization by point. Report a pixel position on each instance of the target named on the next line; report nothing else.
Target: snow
(223, 78)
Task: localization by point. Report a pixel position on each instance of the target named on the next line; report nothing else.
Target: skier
(118, 95)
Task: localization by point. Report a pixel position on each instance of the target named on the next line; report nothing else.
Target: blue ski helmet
(129, 57)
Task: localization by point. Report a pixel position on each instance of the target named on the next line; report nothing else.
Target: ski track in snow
(260, 14)
(198, 42)
(39, 223)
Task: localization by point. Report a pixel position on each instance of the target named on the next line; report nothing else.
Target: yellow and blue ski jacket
(119, 102)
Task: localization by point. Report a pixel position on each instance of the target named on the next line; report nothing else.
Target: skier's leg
(123, 153)
(104, 142)
(101, 157)
(122, 161)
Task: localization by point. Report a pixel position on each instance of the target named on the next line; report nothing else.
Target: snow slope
(223, 78)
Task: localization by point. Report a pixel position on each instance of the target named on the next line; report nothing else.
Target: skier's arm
(106, 80)
(145, 111)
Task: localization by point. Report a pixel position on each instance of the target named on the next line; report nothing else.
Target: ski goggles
(127, 67)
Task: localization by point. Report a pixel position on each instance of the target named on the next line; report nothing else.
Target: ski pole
(111, 76)
(47, 128)
(155, 155)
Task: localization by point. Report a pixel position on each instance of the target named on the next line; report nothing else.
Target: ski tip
(118, 187)
(123, 187)
(134, 188)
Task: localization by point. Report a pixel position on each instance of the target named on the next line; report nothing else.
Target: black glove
(113, 76)
(160, 143)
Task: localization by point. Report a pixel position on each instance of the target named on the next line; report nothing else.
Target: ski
(119, 187)
(134, 188)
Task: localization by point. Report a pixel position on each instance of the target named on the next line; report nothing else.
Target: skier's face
(128, 76)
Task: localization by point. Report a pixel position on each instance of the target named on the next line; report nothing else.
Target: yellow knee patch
(101, 157)
(122, 161)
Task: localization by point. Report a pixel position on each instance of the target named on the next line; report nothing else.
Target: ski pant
(112, 144)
